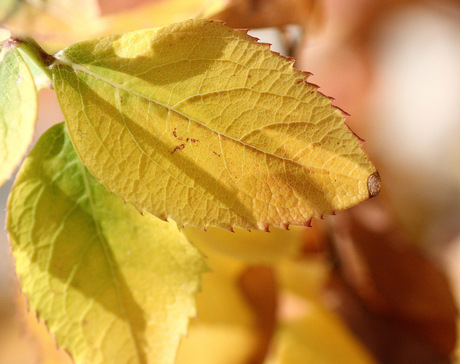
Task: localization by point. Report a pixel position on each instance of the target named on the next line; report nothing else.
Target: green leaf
(18, 110)
(39, 75)
(113, 286)
(198, 122)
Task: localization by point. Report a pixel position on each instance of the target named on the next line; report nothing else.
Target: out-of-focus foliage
(53, 23)
(227, 329)
(160, 13)
(318, 337)
(255, 247)
(269, 13)
(59, 23)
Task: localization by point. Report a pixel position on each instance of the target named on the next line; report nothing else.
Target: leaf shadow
(167, 59)
(81, 255)
(186, 165)
(161, 67)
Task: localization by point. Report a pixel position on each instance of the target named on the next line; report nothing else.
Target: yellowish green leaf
(319, 337)
(113, 286)
(4, 34)
(41, 79)
(7, 8)
(199, 123)
(18, 110)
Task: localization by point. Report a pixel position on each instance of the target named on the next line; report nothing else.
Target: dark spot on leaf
(179, 147)
(175, 134)
(373, 184)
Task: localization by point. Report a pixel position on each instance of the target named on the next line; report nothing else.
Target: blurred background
(387, 272)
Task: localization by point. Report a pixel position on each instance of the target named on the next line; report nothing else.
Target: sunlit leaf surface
(113, 286)
(199, 123)
(18, 110)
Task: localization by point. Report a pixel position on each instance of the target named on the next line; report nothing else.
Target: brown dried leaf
(395, 295)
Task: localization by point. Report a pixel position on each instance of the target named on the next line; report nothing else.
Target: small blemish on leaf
(175, 134)
(216, 153)
(179, 147)
(373, 184)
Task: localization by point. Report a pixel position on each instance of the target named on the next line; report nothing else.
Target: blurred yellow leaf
(267, 13)
(199, 123)
(228, 328)
(256, 247)
(53, 23)
(159, 13)
(319, 337)
(112, 286)
(305, 278)
(18, 110)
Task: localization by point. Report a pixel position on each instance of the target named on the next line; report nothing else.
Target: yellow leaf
(319, 337)
(305, 278)
(256, 247)
(159, 13)
(199, 123)
(18, 110)
(225, 330)
(113, 286)
(53, 23)
(268, 13)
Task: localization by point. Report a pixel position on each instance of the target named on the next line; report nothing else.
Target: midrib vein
(112, 269)
(78, 67)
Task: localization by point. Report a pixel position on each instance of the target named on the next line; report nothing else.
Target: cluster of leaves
(199, 124)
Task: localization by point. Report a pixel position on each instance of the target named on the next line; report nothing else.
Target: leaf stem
(36, 53)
